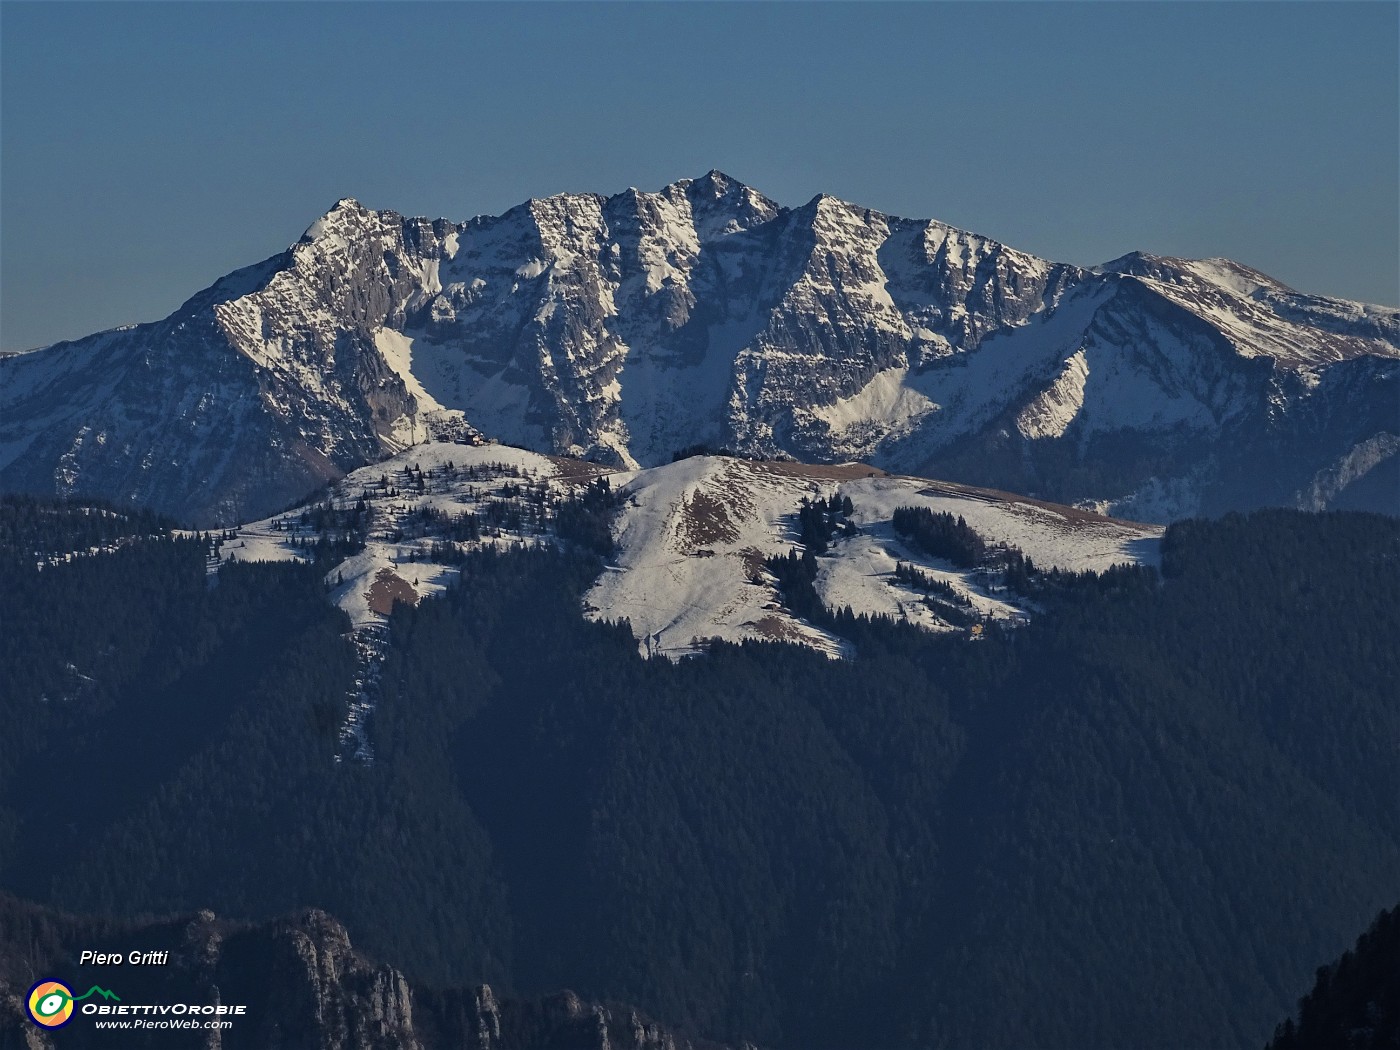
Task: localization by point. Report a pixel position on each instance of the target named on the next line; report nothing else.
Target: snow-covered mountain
(691, 540)
(624, 328)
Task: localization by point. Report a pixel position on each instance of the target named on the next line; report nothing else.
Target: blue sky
(145, 150)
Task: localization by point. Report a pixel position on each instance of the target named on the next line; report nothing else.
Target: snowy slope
(458, 479)
(693, 536)
(691, 539)
(1263, 317)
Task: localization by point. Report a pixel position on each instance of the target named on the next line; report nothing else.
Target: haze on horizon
(150, 149)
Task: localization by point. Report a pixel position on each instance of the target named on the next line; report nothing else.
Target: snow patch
(885, 400)
(1056, 407)
(397, 351)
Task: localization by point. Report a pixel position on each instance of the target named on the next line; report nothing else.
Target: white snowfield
(692, 538)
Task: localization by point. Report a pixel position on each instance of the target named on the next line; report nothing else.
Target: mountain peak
(714, 184)
(715, 177)
(841, 215)
(1127, 262)
(344, 210)
(1218, 271)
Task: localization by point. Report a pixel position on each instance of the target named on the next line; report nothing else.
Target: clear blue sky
(145, 150)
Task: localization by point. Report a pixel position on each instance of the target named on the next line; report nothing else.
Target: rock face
(304, 987)
(627, 327)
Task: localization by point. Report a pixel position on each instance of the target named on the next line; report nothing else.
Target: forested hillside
(1137, 822)
(1355, 1003)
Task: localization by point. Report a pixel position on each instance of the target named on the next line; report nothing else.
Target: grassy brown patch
(818, 471)
(705, 519)
(388, 588)
(576, 470)
(776, 628)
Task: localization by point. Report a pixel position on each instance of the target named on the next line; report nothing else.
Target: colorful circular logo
(51, 1004)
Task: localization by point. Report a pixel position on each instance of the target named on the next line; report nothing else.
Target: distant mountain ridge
(623, 328)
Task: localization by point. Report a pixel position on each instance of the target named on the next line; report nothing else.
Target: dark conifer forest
(1355, 1003)
(1139, 821)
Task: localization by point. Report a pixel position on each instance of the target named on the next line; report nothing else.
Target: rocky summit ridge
(624, 328)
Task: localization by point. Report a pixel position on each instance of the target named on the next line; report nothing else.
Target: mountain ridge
(623, 328)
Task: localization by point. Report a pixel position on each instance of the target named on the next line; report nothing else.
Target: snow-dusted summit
(624, 328)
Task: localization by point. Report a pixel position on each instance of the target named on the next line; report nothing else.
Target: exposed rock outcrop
(304, 987)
